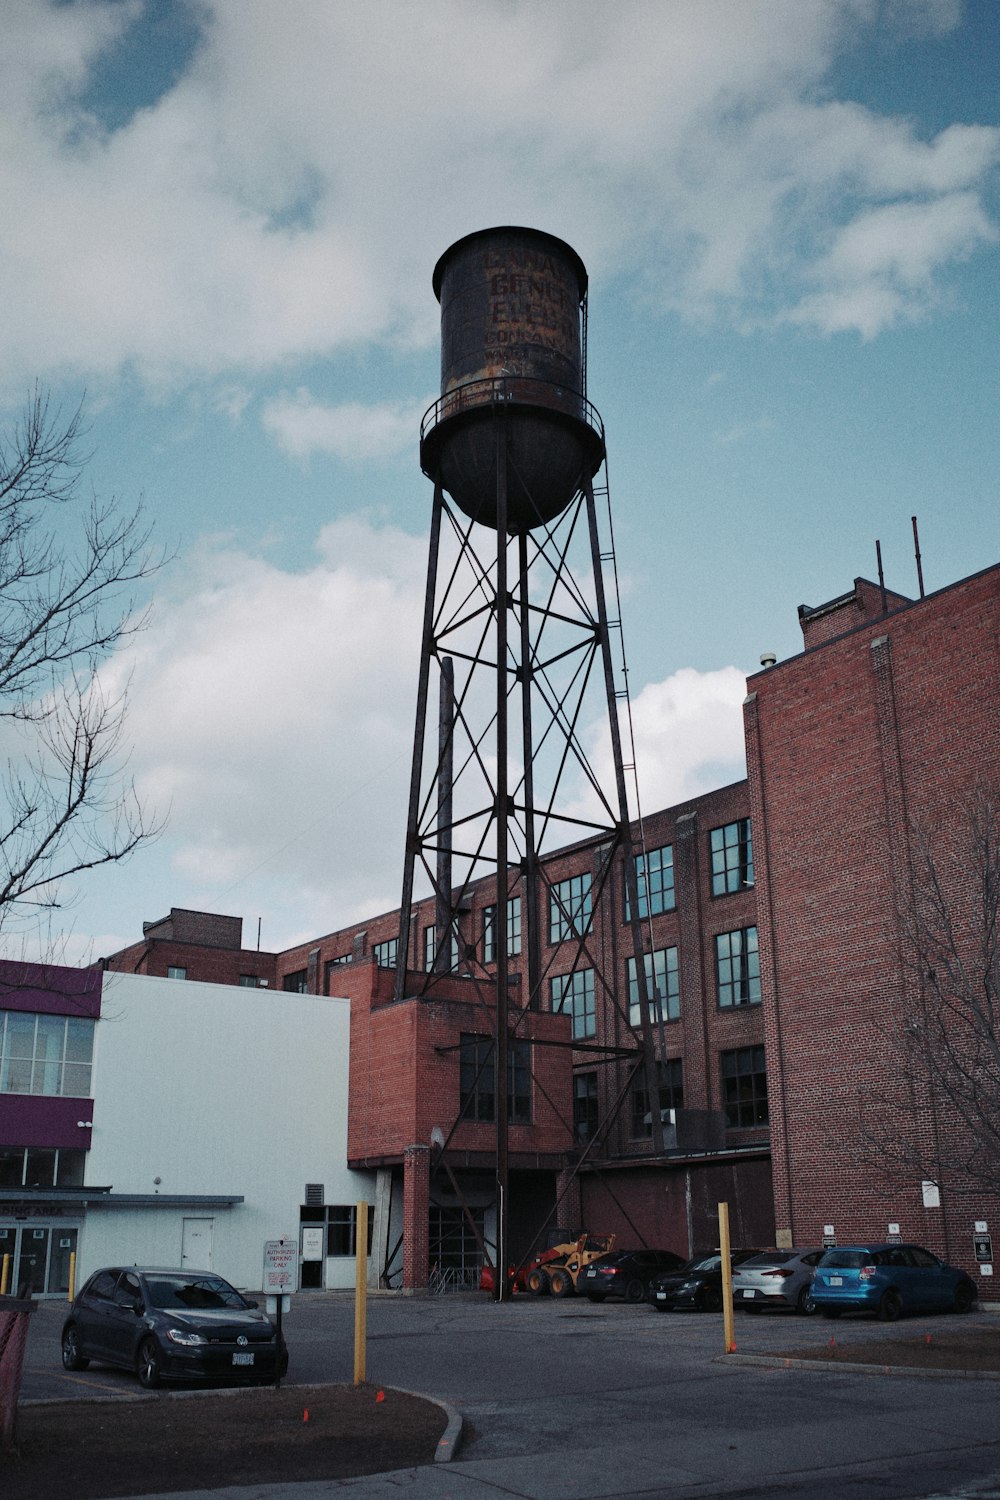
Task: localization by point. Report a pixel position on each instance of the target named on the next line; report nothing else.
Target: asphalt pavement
(564, 1400)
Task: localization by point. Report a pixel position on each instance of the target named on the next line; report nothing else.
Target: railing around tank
(523, 389)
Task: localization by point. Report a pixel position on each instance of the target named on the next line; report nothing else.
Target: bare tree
(70, 569)
(942, 1085)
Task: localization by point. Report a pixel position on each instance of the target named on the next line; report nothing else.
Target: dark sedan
(625, 1273)
(170, 1325)
(697, 1285)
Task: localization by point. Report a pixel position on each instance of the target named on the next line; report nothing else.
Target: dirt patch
(979, 1350)
(203, 1440)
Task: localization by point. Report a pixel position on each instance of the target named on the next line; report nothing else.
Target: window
(248, 981)
(513, 930)
(744, 1086)
(731, 849)
(737, 967)
(570, 908)
(671, 1089)
(654, 878)
(176, 971)
(453, 1246)
(42, 1054)
(662, 983)
(573, 994)
(477, 1099)
(585, 1113)
(296, 983)
(385, 953)
(341, 1229)
(41, 1166)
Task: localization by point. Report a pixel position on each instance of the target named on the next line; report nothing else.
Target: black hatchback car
(170, 1325)
(625, 1273)
(697, 1285)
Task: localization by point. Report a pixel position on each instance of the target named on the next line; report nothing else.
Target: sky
(220, 223)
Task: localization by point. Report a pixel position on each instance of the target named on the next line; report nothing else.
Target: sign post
(280, 1279)
(729, 1332)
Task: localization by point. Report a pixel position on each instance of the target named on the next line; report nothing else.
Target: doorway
(39, 1257)
(196, 1244)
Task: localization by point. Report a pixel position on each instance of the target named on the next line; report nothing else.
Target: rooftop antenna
(916, 548)
(881, 578)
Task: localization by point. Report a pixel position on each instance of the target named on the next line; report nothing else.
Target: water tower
(516, 638)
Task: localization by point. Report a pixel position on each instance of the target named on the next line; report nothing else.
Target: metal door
(196, 1244)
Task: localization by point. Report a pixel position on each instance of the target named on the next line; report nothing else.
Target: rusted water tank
(511, 374)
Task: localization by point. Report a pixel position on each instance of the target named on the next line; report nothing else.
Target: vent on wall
(315, 1195)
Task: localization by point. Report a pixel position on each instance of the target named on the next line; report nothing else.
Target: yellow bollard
(72, 1276)
(729, 1332)
(4, 1276)
(360, 1289)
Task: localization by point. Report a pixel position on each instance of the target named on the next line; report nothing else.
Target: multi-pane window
(585, 1114)
(41, 1166)
(671, 1090)
(296, 983)
(737, 967)
(744, 1086)
(341, 1225)
(662, 985)
(477, 1098)
(452, 1243)
(731, 849)
(176, 971)
(573, 994)
(570, 908)
(654, 879)
(430, 947)
(248, 981)
(385, 953)
(41, 1054)
(513, 930)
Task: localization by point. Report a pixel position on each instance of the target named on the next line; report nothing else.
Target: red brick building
(871, 742)
(773, 914)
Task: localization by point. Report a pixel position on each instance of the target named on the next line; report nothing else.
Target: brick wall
(889, 725)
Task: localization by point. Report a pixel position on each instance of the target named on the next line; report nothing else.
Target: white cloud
(688, 734)
(350, 431)
(272, 713)
(288, 195)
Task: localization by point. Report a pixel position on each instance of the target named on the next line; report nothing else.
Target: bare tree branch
(69, 597)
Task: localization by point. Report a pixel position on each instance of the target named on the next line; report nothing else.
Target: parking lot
(565, 1398)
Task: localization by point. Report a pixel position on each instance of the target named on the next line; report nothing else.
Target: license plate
(661, 1296)
(242, 1359)
(749, 1294)
(835, 1280)
(590, 1273)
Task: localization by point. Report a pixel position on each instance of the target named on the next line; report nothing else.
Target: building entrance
(35, 1257)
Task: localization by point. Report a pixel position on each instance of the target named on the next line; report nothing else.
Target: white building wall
(216, 1089)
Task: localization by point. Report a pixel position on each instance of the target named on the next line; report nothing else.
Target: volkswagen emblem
(243, 1339)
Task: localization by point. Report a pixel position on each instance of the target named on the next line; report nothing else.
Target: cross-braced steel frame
(517, 623)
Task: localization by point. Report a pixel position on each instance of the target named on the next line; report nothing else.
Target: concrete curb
(923, 1372)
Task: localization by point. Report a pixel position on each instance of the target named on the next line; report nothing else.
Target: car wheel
(831, 1312)
(964, 1298)
(805, 1303)
(71, 1357)
(538, 1282)
(634, 1290)
(561, 1283)
(890, 1306)
(148, 1365)
(711, 1300)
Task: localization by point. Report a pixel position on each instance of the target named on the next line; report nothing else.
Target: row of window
(744, 1094)
(41, 1166)
(743, 1080)
(571, 901)
(43, 1054)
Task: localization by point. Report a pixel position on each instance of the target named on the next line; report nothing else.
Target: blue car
(889, 1280)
